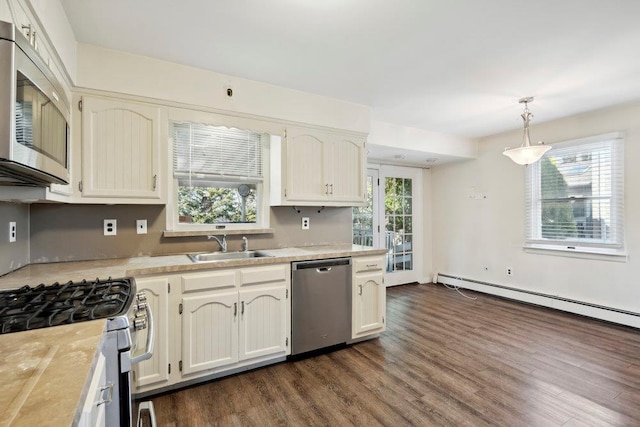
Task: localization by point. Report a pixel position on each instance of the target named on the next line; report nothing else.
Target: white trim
(572, 251)
(609, 314)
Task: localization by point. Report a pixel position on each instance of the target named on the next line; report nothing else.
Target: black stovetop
(58, 304)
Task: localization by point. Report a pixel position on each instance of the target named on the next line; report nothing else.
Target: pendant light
(526, 153)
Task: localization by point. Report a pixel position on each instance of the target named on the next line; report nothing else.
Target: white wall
(55, 22)
(388, 134)
(471, 232)
(115, 71)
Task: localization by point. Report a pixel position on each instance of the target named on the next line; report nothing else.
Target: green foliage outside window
(213, 205)
(557, 215)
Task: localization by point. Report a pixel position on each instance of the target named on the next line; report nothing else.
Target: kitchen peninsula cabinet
(368, 296)
(120, 151)
(317, 168)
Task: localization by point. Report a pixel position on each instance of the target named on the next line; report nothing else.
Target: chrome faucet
(222, 243)
(245, 244)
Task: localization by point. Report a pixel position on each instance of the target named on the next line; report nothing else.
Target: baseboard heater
(610, 314)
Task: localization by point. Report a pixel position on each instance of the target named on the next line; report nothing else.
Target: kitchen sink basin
(225, 256)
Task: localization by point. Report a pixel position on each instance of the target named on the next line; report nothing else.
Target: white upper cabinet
(120, 150)
(317, 168)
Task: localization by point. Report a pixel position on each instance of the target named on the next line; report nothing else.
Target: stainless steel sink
(224, 256)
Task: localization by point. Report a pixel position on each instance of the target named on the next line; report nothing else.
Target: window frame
(534, 242)
(262, 224)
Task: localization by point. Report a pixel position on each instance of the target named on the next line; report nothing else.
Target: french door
(392, 219)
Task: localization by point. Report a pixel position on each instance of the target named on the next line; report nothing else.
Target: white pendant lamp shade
(526, 153)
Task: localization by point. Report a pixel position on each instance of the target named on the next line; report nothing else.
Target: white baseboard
(609, 314)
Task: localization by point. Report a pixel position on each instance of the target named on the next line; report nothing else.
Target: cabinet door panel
(209, 331)
(304, 167)
(154, 370)
(344, 169)
(263, 322)
(120, 148)
(368, 304)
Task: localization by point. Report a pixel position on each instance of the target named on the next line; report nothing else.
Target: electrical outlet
(141, 226)
(110, 227)
(509, 271)
(12, 231)
(305, 222)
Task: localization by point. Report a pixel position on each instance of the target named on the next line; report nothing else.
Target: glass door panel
(365, 221)
(401, 215)
(398, 223)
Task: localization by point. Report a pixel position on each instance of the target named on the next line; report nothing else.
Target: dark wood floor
(444, 360)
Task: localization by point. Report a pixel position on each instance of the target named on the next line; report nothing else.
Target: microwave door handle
(150, 334)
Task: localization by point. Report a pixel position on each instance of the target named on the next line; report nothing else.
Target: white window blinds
(216, 153)
(575, 194)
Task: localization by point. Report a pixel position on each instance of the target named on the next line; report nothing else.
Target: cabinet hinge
(286, 342)
(286, 294)
(80, 105)
(382, 319)
(285, 192)
(80, 186)
(180, 309)
(180, 366)
(285, 134)
(169, 369)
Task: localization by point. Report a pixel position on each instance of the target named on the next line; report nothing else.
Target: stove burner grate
(42, 306)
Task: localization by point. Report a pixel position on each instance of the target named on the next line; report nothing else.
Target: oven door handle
(147, 407)
(150, 338)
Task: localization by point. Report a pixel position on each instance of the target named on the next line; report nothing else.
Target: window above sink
(219, 175)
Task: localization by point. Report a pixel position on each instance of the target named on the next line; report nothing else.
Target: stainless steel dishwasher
(320, 304)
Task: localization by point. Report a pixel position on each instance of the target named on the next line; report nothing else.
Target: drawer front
(209, 280)
(368, 264)
(267, 274)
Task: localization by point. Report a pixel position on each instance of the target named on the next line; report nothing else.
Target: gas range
(42, 306)
(128, 334)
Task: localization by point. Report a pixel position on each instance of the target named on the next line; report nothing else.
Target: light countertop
(44, 371)
(34, 274)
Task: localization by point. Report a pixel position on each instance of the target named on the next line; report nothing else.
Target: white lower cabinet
(234, 318)
(93, 411)
(368, 297)
(215, 321)
(155, 372)
(263, 328)
(209, 331)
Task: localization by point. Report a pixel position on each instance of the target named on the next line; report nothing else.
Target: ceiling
(456, 67)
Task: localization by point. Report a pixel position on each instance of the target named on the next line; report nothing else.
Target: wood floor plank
(444, 360)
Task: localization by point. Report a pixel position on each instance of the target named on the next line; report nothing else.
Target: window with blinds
(219, 173)
(575, 196)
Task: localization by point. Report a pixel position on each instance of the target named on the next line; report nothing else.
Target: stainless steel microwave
(34, 116)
